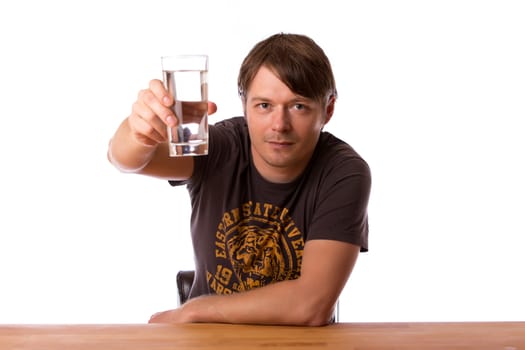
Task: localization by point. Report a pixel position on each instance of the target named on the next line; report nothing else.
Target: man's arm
(309, 300)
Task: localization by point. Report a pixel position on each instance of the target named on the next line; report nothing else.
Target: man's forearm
(127, 155)
(286, 302)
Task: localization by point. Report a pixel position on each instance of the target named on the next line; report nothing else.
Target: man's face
(284, 127)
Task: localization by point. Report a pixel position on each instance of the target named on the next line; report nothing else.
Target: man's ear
(243, 101)
(329, 110)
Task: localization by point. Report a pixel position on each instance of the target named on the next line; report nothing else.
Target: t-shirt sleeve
(341, 212)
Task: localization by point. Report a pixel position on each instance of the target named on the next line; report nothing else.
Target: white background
(432, 94)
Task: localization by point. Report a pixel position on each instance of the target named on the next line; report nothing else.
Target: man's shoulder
(231, 131)
(237, 122)
(330, 144)
(336, 153)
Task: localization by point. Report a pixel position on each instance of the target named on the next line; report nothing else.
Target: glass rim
(187, 55)
(185, 62)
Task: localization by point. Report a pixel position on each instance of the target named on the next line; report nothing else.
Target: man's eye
(299, 106)
(264, 105)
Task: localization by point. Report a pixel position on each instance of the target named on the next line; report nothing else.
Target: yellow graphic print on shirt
(258, 243)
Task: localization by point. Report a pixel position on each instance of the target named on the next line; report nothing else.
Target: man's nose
(281, 119)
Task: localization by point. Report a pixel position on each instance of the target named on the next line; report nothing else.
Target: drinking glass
(186, 79)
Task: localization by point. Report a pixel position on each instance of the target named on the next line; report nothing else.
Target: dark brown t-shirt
(248, 232)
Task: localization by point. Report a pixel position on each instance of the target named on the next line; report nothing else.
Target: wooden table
(348, 336)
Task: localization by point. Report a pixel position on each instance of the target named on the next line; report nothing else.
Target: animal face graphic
(256, 255)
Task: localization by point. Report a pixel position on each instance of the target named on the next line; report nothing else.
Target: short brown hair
(298, 62)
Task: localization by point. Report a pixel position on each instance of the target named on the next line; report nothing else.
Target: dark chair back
(184, 283)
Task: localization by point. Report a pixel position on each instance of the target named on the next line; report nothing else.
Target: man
(279, 207)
